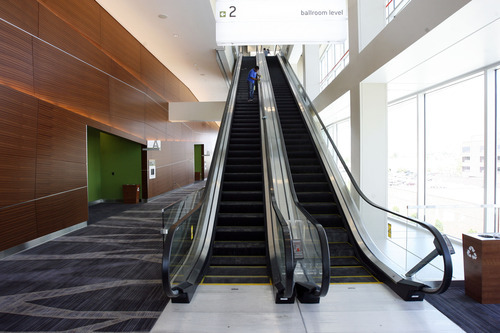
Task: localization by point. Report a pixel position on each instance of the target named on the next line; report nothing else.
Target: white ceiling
(184, 41)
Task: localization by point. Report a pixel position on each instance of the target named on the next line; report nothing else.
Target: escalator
(244, 230)
(312, 188)
(278, 206)
(413, 259)
(239, 249)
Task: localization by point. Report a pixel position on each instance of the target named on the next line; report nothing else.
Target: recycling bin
(482, 267)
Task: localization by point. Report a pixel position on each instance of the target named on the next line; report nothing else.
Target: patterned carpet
(102, 278)
(471, 316)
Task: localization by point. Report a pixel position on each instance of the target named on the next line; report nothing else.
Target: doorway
(112, 162)
(199, 162)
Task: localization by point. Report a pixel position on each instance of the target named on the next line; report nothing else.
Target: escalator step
(243, 161)
(222, 260)
(241, 207)
(240, 219)
(311, 187)
(237, 270)
(320, 207)
(242, 186)
(241, 248)
(242, 196)
(340, 249)
(354, 279)
(306, 197)
(329, 220)
(344, 261)
(305, 169)
(309, 177)
(243, 168)
(240, 233)
(230, 279)
(337, 234)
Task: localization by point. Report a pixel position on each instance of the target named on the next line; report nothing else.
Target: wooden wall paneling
(156, 116)
(18, 123)
(120, 44)
(172, 84)
(18, 128)
(83, 15)
(58, 33)
(54, 176)
(126, 101)
(17, 225)
(16, 58)
(155, 134)
(61, 135)
(127, 108)
(23, 14)
(115, 131)
(61, 151)
(67, 82)
(159, 99)
(17, 179)
(61, 211)
(152, 71)
(174, 130)
(120, 73)
(186, 95)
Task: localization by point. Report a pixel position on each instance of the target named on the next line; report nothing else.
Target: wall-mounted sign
(154, 145)
(261, 22)
(152, 169)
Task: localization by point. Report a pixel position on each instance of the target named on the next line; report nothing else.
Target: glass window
(402, 156)
(454, 126)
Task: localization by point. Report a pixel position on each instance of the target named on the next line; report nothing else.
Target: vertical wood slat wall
(66, 65)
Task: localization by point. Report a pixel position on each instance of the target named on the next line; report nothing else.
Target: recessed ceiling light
(162, 16)
(176, 36)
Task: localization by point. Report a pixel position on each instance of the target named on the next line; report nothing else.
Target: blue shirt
(252, 74)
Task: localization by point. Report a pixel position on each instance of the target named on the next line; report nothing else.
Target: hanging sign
(264, 22)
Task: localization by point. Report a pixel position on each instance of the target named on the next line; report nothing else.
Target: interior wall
(66, 65)
(120, 165)
(94, 165)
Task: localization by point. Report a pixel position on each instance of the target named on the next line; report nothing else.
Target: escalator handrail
(443, 248)
(325, 251)
(218, 157)
(285, 288)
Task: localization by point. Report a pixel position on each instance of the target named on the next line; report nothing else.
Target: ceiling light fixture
(162, 16)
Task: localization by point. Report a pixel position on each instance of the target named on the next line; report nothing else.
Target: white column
(373, 155)
(311, 70)
(371, 21)
(421, 166)
(490, 150)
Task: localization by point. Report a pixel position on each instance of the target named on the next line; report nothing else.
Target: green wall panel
(197, 158)
(120, 165)
(112, 163)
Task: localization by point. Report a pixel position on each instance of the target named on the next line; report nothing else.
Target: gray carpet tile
(102, 278)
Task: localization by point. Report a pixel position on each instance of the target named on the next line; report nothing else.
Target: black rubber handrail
(442, 245)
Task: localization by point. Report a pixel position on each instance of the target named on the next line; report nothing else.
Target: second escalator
(313, 190)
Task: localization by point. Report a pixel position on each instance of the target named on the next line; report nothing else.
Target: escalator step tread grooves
(239, 248)
(311, 183)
